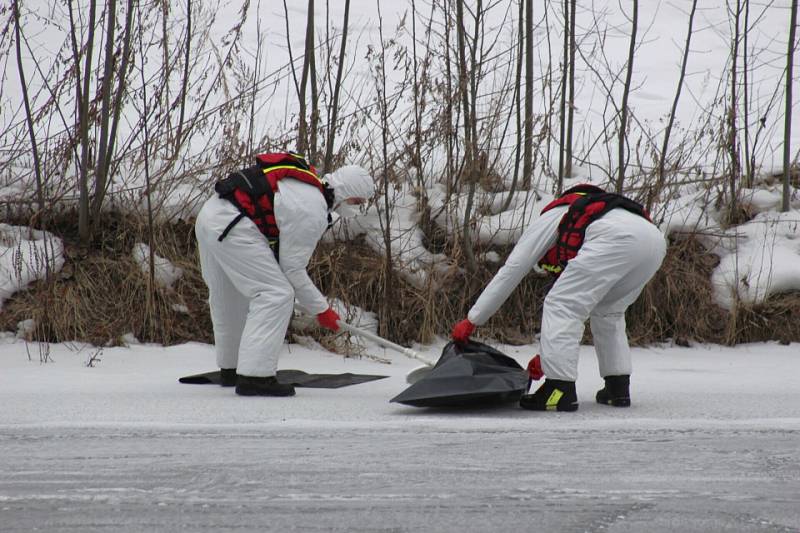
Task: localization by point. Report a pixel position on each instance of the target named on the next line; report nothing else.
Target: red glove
(328, 319)
(535, 372)
(462, 331)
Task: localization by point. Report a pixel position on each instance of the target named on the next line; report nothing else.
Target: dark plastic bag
(469, 375)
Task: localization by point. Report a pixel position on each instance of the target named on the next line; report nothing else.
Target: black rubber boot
(258, 386)
(227, 377)
(553, 395)
(616, 392)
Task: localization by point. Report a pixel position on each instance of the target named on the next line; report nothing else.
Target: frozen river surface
(711, 444)
(352, 479)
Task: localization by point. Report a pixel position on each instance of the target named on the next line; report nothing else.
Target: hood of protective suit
(350, 181)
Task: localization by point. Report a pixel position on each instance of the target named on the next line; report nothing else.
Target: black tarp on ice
(470, 375)
(298, 378)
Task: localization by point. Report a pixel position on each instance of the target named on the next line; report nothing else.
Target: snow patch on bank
(26, 255)
(165, 273)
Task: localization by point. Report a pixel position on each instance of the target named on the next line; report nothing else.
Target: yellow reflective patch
(270, 169)
(552, 401)
(552, 268)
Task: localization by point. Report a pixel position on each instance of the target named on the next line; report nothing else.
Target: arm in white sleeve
(539, 237)
(302, 217)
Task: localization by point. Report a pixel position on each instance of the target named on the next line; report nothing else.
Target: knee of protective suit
(275, 297)
(285, 297)
(607, 319)
(565, 305)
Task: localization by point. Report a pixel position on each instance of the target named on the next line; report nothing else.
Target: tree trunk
(787, 128)
(37, 167)
(733, 131)
(417, 107)
(326, 165)
(469, 143)
(449, 105)
(388, 269)
(100, 177)
(749, 162)
(571, 99)
(82, 99)
(302, 133)
(527, 158)
(104, 162)
(623, 112)
(562, 129)
(661, 178)
(185, 79)
(312, 65)
(517, 103)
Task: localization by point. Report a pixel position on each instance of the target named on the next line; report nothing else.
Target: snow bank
(758, 258)
(26, 255)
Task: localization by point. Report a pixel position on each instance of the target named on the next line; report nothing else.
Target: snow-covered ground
(710, 444)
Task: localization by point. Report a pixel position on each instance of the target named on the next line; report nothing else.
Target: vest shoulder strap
(276, 159)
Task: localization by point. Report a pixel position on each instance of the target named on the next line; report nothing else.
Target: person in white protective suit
(255, 239)
(603, 249)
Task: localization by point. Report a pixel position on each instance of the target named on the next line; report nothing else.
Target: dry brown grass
(101, 295)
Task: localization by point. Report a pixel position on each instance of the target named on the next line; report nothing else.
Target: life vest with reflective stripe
(587, 203)
(252, 190)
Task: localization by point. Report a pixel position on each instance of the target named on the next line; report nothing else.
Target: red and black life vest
(252, 190)
(587, 203)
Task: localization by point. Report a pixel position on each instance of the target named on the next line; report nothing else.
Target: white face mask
(345, 210)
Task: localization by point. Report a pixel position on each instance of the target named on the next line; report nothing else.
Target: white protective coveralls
(621, 251)
(251, 294)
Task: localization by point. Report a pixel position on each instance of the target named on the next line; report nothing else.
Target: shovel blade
(421, 372)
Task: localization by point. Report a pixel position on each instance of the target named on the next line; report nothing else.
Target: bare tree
(732, 119)
(185, 79)
(571, 99)
(417, 102)
(111, 107)
(623, 111)
(150, 303)
(562, 121)
(749, 159)
(311, 56)
(548, 97)
(302, 133)
(656, 189)
(527, 159)
(326, 165)
(388, 285)
(449, 107)
(37, 167)
(111, 101)
(105, 104)
(470, 155)
(255, 81)
(787, 128)
(300, 146)
(517, 101)
(82, 99)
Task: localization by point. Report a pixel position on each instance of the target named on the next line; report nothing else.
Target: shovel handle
(408, 352)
